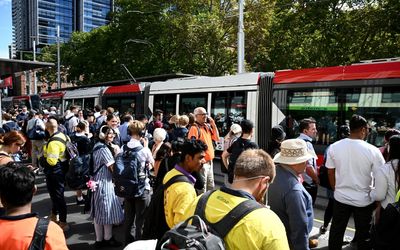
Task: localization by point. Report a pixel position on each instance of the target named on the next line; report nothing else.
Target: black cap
(277, 133)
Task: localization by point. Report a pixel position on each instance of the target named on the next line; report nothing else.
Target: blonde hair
(183, 121)
(135, 127)
(174, 119)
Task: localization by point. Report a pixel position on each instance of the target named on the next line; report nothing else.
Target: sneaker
(64, 226)
(99, 244)
(322, 230)
(112, 242)
(80, 202)
(312, 243)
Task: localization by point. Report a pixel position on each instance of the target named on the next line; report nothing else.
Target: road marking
(347, 228)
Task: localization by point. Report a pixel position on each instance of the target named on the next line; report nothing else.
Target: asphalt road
(81, 235)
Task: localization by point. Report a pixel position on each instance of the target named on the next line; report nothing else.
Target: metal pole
(241, 38)
(34, 49)
(58, 57)
(34, 71)
(129, 73)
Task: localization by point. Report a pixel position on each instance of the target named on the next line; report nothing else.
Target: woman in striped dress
(106, 209)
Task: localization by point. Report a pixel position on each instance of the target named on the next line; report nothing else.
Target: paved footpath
(81, 235)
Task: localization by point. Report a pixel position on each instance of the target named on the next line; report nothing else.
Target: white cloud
(5, 2)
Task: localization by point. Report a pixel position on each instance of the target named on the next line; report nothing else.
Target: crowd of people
(363, 180)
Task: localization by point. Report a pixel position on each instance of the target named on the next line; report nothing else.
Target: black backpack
(39, 237)
(36, 132)
(129, 175)
(386, 233)
(155, 224)
(78, 172)
(201, 234)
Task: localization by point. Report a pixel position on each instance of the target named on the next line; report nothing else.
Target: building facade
(37, 20)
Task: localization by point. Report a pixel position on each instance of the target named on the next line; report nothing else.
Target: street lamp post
(58, 57)
(241, 38)
(34, 71)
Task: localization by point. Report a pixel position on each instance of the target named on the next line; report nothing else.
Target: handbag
(36, 133)
(323, 177)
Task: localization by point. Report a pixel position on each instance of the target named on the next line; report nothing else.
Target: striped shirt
(106, 208)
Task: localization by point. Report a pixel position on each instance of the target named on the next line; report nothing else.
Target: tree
(200, 37)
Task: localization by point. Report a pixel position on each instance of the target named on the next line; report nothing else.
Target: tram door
(227, 108)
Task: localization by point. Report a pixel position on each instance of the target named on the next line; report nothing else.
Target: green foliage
(200, 37)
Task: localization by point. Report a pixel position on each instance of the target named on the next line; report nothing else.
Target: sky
(5, 27)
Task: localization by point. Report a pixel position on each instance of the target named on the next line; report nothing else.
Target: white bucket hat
(294, 151)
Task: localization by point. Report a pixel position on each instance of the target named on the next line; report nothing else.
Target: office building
(38, 20)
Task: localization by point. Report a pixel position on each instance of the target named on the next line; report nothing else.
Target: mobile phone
(35, 170)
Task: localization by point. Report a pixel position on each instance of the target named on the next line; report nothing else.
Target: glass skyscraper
(38, 20)
(93, 13)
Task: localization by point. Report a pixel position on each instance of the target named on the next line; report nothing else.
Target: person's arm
(182, 202)
(330, 165)
(215, 133)
(193, 132)
(156, 166)
(225, 156)
(311, 172)
(5, 159)
(53, 152)
(332, 178)
(108, 158)
(298, 220)
(381, 186)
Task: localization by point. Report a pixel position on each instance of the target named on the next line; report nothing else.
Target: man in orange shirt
(204, 129)
(17, 186)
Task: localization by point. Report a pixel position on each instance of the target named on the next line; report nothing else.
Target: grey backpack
(201, 234)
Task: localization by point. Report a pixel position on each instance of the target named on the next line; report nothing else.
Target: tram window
(78, 103)
(388, 97)
(89, 103)
(380, 106)
(188, 102)
(112, 102)
(315, 103)
(126, 105)
(166, 103)
(228, 108)
(68, 104)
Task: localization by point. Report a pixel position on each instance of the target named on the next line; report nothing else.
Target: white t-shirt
(385, 184)
(72, 123)
(354, 162)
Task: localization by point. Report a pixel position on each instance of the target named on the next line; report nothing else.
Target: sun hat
(235, 128)
(294, 151)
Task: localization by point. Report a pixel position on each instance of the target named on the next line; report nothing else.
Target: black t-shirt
(235, 150)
